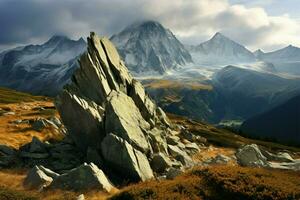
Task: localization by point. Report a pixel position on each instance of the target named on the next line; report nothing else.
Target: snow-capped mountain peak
(289, 53)
(148, 47)
(41, 69)
(221, 50)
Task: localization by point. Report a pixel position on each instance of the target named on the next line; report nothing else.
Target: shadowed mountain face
(148, 47)
(41, 69)
(249, 92)
(281, 123)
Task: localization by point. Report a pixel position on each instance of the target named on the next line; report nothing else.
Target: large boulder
(125, 120)
(160, 162)
(84, 177)
(125, 159)
(180, 155)
(250, 155)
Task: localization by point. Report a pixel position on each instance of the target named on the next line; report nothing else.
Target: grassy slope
(13, 96)
(25, 107)
(172, 84)
(225, 138)
(219, 182)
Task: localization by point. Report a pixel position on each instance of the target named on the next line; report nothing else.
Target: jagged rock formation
(106, 110)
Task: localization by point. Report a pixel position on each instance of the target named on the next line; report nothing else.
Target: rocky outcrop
(104, 108)
(114, 122)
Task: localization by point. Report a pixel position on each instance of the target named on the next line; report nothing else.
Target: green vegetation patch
(13, 96)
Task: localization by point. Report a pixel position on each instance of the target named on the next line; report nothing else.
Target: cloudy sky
(265, 24)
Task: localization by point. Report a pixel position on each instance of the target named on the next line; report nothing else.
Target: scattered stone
(172, 139)
(192, 147)
(200, 139)
(219, 159)
(37, 179)
(84, 177)
(80, 197)
(8, 113)
(173, 172)
(39, 124)
(180, 155)
(160, 162)
(56, 121)
(280, 157)
(188, 135)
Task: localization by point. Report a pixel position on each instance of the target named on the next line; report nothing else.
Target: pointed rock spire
(102, 100)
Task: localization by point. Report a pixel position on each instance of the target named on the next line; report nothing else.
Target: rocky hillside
(148, 47)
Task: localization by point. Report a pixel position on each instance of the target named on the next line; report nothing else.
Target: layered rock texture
(107, 112)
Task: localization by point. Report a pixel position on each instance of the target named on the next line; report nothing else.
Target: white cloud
(192, 21)
(198, 20)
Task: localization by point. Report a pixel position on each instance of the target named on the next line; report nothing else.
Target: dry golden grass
(168, 84)
(212, 152)
(220, 182)
(11, 188)
(15, 135)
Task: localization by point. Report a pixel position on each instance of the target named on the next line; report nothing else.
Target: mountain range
(254, 82)
(41, 69)
(285, 60)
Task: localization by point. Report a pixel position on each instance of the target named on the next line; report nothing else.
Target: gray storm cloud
(191, 21)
